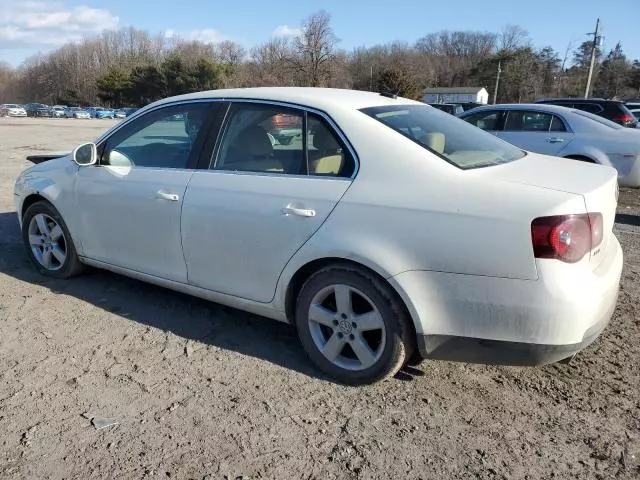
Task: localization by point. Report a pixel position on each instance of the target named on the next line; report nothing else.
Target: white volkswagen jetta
(384, 229)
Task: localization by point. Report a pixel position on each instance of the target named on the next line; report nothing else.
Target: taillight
(624, 118)
(566, 237)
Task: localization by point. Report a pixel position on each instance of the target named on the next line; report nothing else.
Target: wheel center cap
(345, 327)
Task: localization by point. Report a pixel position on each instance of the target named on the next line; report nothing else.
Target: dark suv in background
(613, 110)
(38, 110)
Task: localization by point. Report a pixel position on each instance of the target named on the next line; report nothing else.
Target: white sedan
(387, 232)
(564, 132)
(12, 110)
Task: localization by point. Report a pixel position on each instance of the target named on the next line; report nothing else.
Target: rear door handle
(171, 197)
(555, 140)
(300, 212)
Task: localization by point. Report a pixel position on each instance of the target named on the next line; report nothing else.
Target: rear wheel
(48, 242)
(352, 325)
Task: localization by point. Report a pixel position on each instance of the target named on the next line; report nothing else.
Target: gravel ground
(201, 391)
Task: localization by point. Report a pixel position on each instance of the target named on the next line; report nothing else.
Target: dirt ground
(201, 391)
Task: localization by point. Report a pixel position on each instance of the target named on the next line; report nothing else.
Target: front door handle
(300, 212)
(171, 197)
(555, 140)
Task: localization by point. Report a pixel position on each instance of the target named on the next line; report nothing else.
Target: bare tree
(314, 49)
(513, 37)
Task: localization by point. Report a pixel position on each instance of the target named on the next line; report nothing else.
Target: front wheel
(353, 326)
(48, 242)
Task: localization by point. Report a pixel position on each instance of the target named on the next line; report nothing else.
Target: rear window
(449, 137)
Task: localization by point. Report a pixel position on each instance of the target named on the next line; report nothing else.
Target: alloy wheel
(47, 242)
(346, 327)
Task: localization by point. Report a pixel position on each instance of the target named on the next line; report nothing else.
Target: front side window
(485, 120)
(449, 137)
(163, 138)
(273, 139)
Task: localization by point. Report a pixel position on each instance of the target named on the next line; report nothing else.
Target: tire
(46, 256)
(354, 354)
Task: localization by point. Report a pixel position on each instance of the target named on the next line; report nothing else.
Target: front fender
(54, 181)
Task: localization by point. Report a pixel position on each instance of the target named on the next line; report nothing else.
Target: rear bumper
(508, 321)
(496, 352)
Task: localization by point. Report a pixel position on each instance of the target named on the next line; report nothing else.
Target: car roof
(536, 107)
(579, 100)
(312, 97)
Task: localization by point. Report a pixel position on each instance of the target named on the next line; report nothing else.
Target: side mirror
(85, 154)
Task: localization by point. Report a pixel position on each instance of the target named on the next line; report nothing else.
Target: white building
(455, 95)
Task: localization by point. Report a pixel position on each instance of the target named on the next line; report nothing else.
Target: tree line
(130, 67)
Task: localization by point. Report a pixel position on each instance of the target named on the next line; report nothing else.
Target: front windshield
(600, 120)
(455, 140)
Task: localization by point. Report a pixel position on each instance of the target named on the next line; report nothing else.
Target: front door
(535, 131)
(265, 195)
(131, 201)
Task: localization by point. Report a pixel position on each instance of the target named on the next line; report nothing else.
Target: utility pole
(371, 79)
(597, 41)
(495, 92)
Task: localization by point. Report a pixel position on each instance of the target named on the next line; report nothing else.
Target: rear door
(536, 131)
(261, 198)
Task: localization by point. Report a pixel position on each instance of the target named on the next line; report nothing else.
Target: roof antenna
(389, 95)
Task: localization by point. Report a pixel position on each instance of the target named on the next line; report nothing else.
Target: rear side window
(447, 136)
(527, 121)
(557, 125)
(265, 138)
(589, 107)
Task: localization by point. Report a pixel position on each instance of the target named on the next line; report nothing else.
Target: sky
(31, 26)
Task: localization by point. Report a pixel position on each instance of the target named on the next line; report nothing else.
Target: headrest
(435, 141)
(323, 140)
(254, 141)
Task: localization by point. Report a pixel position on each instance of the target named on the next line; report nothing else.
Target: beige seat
(434, 141)
(252, 152)
(327, 159)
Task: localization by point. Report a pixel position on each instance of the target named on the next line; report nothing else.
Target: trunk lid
(597, 184)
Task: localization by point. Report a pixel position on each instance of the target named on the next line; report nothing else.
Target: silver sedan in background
(564, 132)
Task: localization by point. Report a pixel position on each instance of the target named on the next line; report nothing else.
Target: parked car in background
(125, 112)
(394, 231)
(58, 111)
(564, 132)
(76, 112)
(632, 104)
(470, 105)
(103, 112)
(37, 110)
(12, 110)
(613, 110)
(451, 108)
(636, 113)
